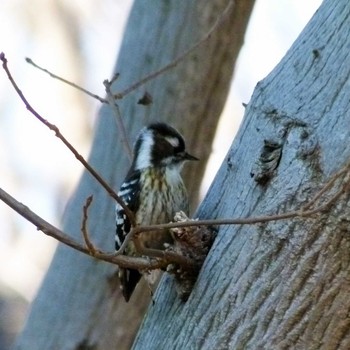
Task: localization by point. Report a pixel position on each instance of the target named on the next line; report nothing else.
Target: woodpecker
(153, 190)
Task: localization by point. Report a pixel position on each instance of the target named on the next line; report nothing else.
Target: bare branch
(118, 117)
(167, 255)
(52, 75)
(222, 17)
(84, 229)
(52, 231)
(303, 212)
(180, 58)
(120, 260)
(320, 203)
(327, 186)
(163, 259)
(58, 134)
(110, 100)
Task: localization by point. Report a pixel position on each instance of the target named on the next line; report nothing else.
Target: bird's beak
(187, 156)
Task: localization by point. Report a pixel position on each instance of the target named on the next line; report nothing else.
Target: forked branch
(317, 205)
(58, 134)
(153, 75)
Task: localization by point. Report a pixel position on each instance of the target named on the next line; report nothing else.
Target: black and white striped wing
(129, 192)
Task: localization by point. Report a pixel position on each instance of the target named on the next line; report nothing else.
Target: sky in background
(79, 40)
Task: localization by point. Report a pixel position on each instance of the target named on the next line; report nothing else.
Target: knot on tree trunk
(193, 242)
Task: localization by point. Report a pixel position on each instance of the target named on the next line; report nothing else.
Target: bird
(154, 192)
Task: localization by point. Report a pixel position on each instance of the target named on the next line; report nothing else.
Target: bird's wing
(129, 192)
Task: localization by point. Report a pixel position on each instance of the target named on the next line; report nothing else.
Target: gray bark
(79, 305)
(285, 284)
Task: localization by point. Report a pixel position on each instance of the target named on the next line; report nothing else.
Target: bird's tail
(128, 281)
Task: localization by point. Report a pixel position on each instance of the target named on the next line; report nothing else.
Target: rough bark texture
(79, 305)
(282, 285)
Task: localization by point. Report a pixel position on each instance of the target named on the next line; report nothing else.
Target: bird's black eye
(161, 150)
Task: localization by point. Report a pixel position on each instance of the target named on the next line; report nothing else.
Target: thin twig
(118, 117)
(52, 75)
(332, 200)
(241, 221)
(109, 100)
(119, 95)
(164, 255)
(149, 264)
(52, 231)
(326, 187)
(58, 134)
(84, 229)
(181, 57)
(304, 212)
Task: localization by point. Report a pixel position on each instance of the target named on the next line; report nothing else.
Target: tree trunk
(283, 284)
(79, 305)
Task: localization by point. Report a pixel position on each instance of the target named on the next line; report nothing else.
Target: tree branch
(165, 258)
(58, 134)
(153, 75)
(52, 231)
(84, 228)
(52, 75)
(182, 56)
(118, 117)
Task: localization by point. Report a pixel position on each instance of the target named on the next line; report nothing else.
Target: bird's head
(160, 145)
